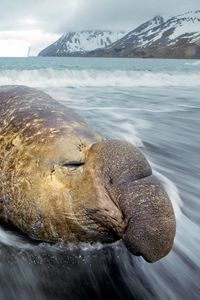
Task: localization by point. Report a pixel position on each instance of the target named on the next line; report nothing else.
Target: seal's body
(61, 181)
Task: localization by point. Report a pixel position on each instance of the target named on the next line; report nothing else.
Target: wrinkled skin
(60, 181)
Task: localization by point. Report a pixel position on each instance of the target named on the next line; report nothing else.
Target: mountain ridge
(176, 37)
(79, 42)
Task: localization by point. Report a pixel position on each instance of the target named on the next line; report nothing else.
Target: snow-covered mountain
(177, 36)
(80, 42)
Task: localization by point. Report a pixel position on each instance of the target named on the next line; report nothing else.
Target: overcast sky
(41, 22)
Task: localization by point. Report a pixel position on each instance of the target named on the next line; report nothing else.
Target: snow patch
(84, 41)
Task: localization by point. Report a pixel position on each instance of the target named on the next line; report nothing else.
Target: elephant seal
(62, 182)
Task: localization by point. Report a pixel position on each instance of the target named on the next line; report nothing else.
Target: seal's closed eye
(73, 164)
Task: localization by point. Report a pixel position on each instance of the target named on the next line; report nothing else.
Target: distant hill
(176, 37)
(80, 42)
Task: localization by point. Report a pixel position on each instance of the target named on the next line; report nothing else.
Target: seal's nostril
(73, 164)
(111, 181)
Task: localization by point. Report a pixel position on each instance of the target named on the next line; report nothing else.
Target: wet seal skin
(62, 182)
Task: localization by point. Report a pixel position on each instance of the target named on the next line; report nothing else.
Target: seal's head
(106, 194)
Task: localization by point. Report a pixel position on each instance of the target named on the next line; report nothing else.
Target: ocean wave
(195, 63)
(98, 78)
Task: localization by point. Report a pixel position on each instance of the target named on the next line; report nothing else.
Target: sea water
(153, 104)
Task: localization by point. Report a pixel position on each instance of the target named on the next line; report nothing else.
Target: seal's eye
(73, 164)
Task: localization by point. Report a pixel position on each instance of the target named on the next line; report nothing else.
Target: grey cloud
(54, 15)
(49, 14)
(126, 14)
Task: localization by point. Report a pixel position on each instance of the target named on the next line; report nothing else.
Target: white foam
(125, 129)
(98, 78)
(195, 63)
(111, 108)
(11, 239)
(129, 134)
